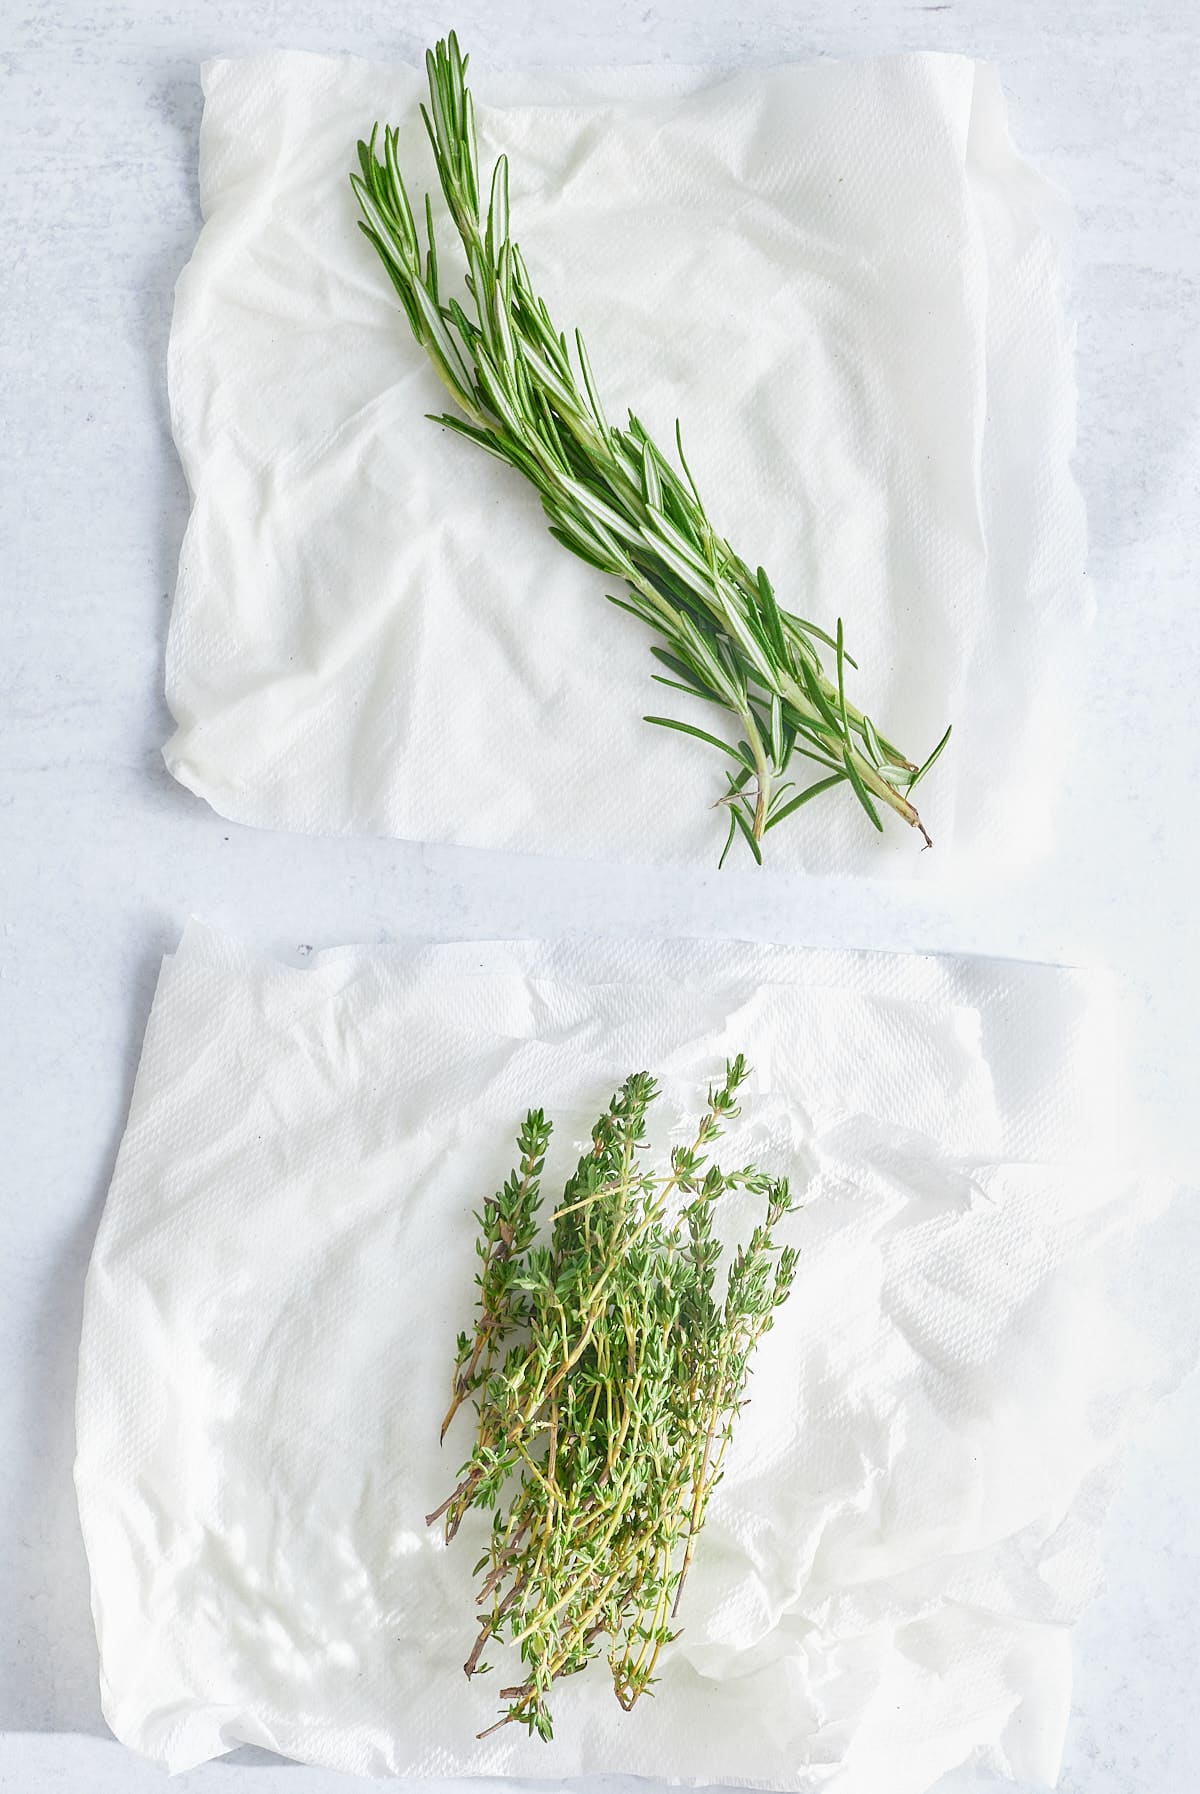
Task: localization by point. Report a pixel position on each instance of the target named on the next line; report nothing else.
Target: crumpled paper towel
(842, 279)
(910, 1516)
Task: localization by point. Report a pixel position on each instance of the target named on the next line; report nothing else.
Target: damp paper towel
(909, 1520)
(841, 278)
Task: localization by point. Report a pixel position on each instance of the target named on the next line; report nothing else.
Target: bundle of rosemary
(606, 1373)
(615, 499)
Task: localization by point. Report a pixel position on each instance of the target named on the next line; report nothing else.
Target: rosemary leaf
(611, 495)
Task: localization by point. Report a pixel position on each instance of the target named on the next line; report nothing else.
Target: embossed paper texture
(910, 1518)
(845, 283)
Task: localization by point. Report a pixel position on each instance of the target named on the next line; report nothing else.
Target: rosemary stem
(612, 496)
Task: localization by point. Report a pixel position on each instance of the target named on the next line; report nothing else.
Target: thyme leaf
(606, 1371)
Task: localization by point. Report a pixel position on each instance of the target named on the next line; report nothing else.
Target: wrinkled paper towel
(841, 278)
(910, 1517)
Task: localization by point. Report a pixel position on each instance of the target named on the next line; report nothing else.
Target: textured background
(101, 856)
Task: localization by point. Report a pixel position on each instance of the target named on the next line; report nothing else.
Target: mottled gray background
(101, 856)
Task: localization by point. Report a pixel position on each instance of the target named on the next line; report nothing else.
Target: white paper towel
(841, 278)
(910, 1516)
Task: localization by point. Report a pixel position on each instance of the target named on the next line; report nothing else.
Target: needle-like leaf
(612, 496)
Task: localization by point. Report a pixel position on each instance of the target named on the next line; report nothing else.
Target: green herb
(614, 498)
(606, 1373)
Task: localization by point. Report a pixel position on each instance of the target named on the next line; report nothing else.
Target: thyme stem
(606, 1376)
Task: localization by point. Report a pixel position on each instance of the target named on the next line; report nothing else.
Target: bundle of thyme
(606, 1373)
(614, 498)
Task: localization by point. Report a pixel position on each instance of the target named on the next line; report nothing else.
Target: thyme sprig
(614, 497)
(606, 1373)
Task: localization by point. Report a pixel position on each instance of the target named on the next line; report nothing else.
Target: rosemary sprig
(615, 499)
(606, 1374)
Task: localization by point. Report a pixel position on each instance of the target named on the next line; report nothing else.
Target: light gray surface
(101, 857)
